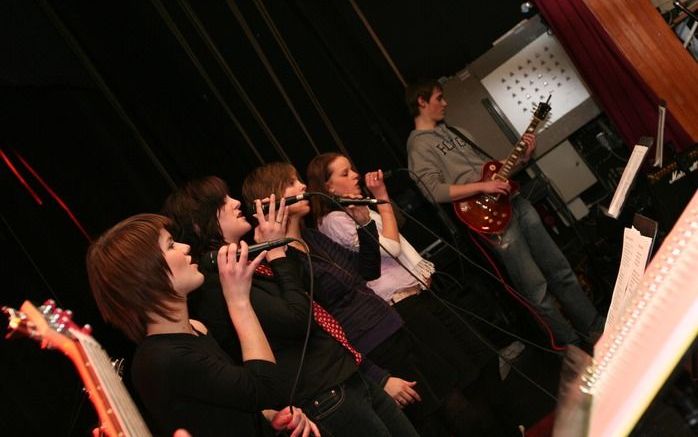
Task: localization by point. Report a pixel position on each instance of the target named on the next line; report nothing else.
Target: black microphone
(290, 200)
(345, 201)
(209, 260)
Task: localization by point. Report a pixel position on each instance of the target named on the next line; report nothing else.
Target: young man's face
(435, 108)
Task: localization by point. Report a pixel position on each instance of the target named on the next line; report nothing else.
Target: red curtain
(614, 83)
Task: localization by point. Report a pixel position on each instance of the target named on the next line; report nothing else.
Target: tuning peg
(87, 329)
(64, 316)
(53, 318)
(48, 307)
(118, 365)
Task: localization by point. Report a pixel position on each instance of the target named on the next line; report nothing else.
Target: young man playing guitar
(450, 170)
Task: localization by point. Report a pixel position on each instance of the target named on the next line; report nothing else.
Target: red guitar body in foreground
(487, 213)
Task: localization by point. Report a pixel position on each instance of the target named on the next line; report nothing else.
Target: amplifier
(673, 185)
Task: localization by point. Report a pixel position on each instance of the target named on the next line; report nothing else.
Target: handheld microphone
(344, 201)
(290, 200)
(209, 260)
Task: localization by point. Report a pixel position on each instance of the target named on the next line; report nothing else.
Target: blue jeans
(357, 407)
(539, 271)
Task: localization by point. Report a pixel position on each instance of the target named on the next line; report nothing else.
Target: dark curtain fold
(621, 92)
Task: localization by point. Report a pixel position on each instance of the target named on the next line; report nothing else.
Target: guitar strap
(469, 141)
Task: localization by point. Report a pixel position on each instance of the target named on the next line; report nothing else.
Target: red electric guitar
(490, 213)
(54, 328)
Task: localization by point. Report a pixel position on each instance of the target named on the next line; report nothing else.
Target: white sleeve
(341, 228)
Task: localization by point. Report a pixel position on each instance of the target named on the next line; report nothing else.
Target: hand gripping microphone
(290, 200)
(209, 260)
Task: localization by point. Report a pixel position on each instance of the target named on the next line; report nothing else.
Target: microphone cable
(497, 276)
(448, 306)
(311, 293)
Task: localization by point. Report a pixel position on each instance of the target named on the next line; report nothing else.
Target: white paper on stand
(626, 180)
(636, 252)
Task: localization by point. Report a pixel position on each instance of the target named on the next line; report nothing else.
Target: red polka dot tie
(264, 270)
(332, 327)
(322, 317)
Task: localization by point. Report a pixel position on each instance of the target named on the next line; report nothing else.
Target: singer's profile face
(184, 275)
(231, 220)
(295, 188)
(343, 179)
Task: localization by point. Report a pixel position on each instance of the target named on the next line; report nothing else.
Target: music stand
(647, 228)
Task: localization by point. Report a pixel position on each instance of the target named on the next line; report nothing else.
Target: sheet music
(636, 252)
(626, 179)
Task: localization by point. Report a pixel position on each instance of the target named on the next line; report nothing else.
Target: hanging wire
(378, 42)
(449, 307)
(300, 76)
(270, 70)
(30, 259)
(77, 49)
(167, 18)
(218, 56)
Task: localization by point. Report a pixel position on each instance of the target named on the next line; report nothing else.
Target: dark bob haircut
(128, 274)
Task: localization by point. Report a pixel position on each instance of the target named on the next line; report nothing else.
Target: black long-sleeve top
(187, 381)
(282, 307)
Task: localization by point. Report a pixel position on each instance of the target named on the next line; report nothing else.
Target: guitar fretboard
(513, 158)
(122, 408)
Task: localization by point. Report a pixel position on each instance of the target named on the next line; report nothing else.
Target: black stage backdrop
(108, 105)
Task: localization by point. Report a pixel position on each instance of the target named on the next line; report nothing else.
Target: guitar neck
(518, 151)
(118, 413)
(54, 328)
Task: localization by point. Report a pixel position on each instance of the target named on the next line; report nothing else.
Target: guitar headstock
(54, 328)
(542, 109)
(48, 324)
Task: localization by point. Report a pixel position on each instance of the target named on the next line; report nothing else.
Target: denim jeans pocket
(326, 403)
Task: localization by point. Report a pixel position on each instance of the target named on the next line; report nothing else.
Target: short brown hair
(268, 179)
(318, 174)
(129, 276)
(420, 88)
(193, 209)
